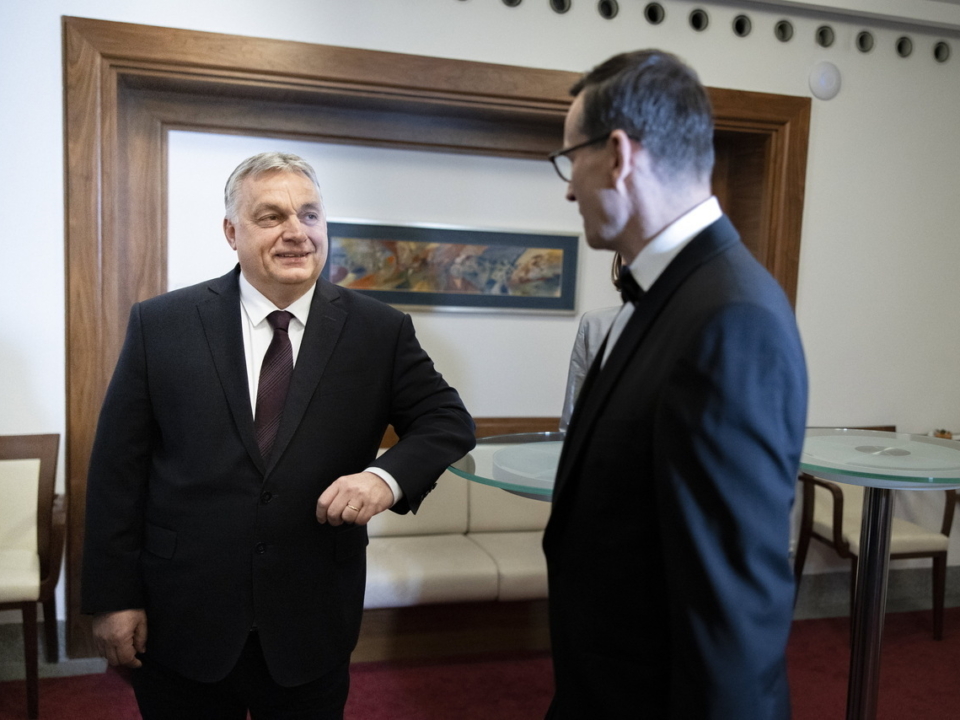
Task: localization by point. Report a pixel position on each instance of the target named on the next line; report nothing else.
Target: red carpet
(919, 680)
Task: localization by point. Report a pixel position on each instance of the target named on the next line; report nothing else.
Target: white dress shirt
(257, 336)
(656, 255)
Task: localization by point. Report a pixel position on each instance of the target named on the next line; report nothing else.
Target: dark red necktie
(274, 382)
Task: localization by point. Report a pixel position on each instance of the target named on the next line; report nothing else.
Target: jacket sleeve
(117, 483)
(428, 416)
(731, 433)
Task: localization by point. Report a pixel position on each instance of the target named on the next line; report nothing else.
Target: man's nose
(293, 229)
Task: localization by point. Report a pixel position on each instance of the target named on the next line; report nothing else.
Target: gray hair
(259, 165)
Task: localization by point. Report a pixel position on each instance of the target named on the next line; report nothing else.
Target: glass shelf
(523, 463)
(872, 458)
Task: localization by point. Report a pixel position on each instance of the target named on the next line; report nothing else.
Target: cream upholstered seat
(510, 530)
(426, 558)
(832, 514)
(468, 543)
(32, 524)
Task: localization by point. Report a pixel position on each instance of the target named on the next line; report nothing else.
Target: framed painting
(453, 268)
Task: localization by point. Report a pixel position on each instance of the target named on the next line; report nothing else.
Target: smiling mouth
(293, 256)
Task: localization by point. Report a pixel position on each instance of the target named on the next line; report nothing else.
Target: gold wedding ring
(355, 509)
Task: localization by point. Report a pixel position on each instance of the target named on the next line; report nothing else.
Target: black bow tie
(630, 291)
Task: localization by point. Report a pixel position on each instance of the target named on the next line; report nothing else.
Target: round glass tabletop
(881, 459)
(523, 463)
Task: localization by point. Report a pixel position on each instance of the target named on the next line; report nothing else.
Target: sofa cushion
(424, 569)
(496, 510)
(521, 566)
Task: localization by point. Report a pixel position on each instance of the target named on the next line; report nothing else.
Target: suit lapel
(711, 241)
(220, 317)
(320, 336)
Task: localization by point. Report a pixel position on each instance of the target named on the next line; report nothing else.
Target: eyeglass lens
(564, 166)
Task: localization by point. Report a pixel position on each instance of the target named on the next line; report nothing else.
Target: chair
(32, 526)
(832, 513)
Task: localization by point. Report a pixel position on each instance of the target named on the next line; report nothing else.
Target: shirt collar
(650, 262)
(257, 306)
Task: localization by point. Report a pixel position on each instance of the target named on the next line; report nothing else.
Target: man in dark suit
(670, 588)
(225, 542)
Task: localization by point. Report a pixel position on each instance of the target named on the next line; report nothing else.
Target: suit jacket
(671, 594)
(593, 329)
(186, 520)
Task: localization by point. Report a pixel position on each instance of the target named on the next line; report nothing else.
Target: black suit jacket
(186, 520)
(671, 594)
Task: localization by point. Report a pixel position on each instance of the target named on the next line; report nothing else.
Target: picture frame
(446, 268)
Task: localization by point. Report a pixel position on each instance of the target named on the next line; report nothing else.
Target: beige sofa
(469, 542)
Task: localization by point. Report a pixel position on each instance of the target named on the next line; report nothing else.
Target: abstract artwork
(454, 268)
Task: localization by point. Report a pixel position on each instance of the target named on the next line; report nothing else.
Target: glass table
(524, 464)
(880, 462)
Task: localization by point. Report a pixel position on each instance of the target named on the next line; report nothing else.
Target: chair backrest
(852, 504)
(28, 472)
(19, 486)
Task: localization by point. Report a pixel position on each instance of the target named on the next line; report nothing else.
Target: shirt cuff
(391, 483)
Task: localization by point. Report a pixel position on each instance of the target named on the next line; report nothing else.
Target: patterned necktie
(630, 291)
(274, 381)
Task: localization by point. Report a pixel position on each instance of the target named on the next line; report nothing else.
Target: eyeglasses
(561, 158)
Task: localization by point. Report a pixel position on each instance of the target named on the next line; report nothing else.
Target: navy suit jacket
(671, 594)
(186, 520)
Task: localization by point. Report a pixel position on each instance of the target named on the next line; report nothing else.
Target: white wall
(878, 293)
(502, 364)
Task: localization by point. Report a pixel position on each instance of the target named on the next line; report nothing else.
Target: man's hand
(120, 635)
(354, 499)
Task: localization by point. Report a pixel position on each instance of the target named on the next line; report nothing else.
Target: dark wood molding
(126, 86)
(449, 630)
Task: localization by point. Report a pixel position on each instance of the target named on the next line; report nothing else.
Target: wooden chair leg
(854, 562)
(803, 537)
(939, 590)
(50, 630)
(29, 611)
(800, 559)
(853, 584)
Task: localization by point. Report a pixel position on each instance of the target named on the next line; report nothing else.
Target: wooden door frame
(126, 86)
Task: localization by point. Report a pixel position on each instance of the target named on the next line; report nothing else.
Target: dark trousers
(165, 695)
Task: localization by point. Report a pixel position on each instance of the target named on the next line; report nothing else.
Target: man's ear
(230, 231)
(623, 151)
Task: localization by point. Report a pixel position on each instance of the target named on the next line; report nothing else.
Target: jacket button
(265, 497)
(261, 548)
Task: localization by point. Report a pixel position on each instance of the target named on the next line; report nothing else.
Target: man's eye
(267, 219)
(311, 217)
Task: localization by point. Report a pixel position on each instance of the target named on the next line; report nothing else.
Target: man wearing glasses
(671, 594)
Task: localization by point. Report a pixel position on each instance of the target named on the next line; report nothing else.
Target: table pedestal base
(870, 600)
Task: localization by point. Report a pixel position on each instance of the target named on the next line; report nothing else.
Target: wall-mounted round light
(560, 6)
(742, 26)
(699, 20)
(825, 81)
(941, 52)
(825, 36)
(783, 31)
(512, 3)
(864, 41)
(654, 13)
(904, 47)
(608, 9)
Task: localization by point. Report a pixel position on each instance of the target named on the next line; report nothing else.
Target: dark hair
(658, 101)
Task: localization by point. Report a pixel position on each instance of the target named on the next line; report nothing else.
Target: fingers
(119, 636)
(353, 499)
(140, 637)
